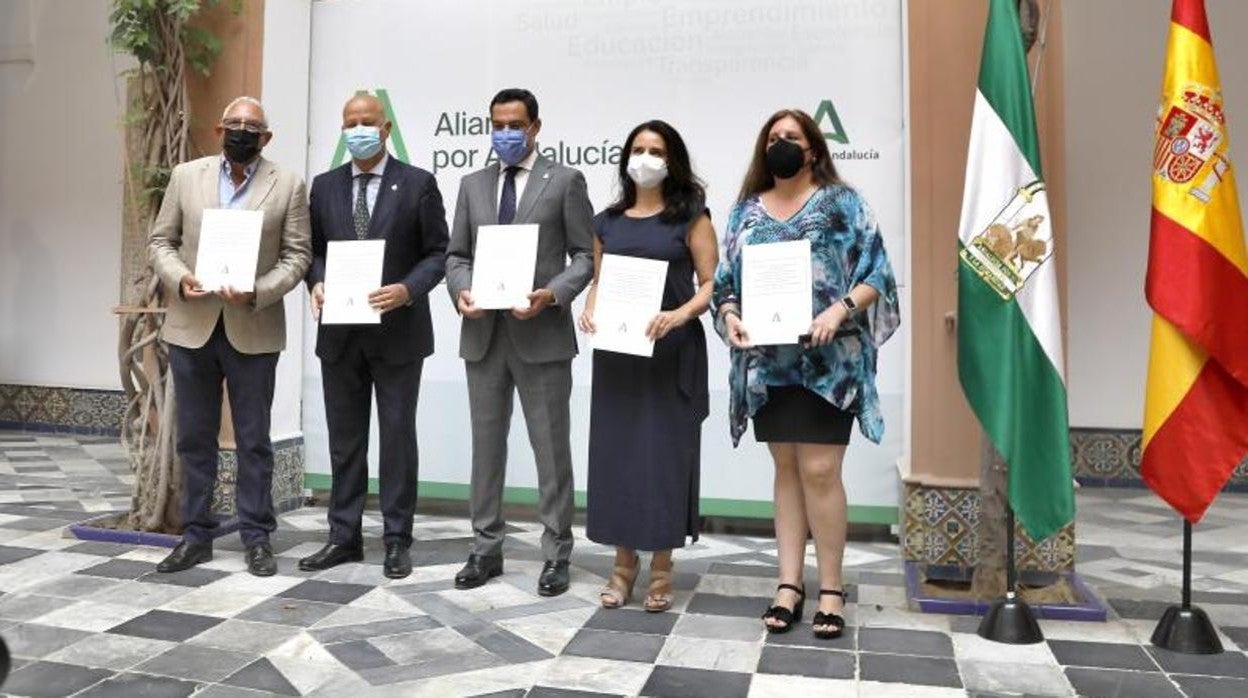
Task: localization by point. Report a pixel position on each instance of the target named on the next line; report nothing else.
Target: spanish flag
(1196, 406)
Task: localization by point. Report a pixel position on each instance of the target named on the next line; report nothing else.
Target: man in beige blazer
(227, 334)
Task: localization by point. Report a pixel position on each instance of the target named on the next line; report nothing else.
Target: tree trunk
(157, 120)
(989, 580)
(148, 432)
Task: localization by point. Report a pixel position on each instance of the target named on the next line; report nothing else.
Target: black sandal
(788, 616)
(835, 620)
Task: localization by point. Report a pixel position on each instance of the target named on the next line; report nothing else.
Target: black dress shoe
(554, 579)
(332, 554)
(478, 570)
(185, 556)
(260, 561)
(398, 562)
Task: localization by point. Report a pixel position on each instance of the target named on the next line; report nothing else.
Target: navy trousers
(349, 383)
(197, 380)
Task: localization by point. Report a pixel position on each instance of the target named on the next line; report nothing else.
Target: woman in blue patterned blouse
(804, 398)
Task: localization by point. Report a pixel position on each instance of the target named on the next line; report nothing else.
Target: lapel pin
(394, 187)
(546, 176)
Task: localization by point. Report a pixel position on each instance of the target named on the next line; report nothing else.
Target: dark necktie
(361, 207)
(507, 204)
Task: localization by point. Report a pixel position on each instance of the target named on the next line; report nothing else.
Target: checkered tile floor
(93, 619)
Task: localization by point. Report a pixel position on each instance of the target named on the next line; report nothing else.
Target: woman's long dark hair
(684, 197)
(759, 179)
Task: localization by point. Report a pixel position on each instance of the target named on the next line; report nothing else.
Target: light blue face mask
(512, 145)
(363, 141)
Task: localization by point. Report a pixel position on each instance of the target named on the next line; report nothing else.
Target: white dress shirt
(374, 184)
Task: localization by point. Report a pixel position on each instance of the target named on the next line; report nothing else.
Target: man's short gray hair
(244, 100)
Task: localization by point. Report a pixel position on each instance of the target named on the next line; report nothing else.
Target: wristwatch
(848, 301)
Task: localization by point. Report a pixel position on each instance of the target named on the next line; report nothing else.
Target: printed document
(776, 305)
(503, 266)
(629, 295)
(229, 244)
(352, 271)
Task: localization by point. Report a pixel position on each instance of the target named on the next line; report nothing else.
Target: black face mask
(241, 147)
(785, 159)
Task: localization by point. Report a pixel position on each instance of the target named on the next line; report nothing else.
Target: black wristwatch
(848, 301)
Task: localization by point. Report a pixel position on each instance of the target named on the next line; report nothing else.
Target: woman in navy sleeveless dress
(646, 416)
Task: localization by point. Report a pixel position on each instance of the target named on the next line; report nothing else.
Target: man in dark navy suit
(375, 197)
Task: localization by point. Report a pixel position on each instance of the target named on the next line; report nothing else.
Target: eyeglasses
(244, 125)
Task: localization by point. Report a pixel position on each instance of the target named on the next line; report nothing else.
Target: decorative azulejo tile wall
(940, 524)
(73, 410)
(941, 528)
(99, 412)
(1111, 458)
(287, 477)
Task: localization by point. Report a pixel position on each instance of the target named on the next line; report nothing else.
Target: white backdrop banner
(714, 69)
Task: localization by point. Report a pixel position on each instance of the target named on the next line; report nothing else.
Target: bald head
(364, 103)
(245, 108)
(366, 110)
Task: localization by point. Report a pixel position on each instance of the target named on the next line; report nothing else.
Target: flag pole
(6, 661)
(1011, 573)
(1186, 628)
(1187, 564)
(1009, 620)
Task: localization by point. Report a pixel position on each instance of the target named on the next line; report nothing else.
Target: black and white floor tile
(94, 619)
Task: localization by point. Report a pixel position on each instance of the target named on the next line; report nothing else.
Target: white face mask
(646, 170)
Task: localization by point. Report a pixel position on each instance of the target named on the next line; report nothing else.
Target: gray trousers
(545, 389)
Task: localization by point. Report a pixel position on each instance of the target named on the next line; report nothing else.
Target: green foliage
(156, 179)
(137, 29)
(146, 29)
(202, 48)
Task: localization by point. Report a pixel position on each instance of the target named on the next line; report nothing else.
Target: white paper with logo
(630, 294)
(229, 245)
(776, 305)
(352, 271)
(503, 266)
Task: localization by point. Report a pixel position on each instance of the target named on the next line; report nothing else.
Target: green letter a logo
(827, 110)
(396, 136)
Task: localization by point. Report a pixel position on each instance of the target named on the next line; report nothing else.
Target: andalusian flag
(1196, 407)
(1009, 323)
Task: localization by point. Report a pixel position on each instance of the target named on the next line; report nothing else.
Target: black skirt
(793, 414)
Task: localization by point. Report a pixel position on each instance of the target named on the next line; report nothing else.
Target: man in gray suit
(228, 334)
(526, 350)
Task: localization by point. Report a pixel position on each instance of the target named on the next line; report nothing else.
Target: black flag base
(1187, 630)
(1010, 621)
